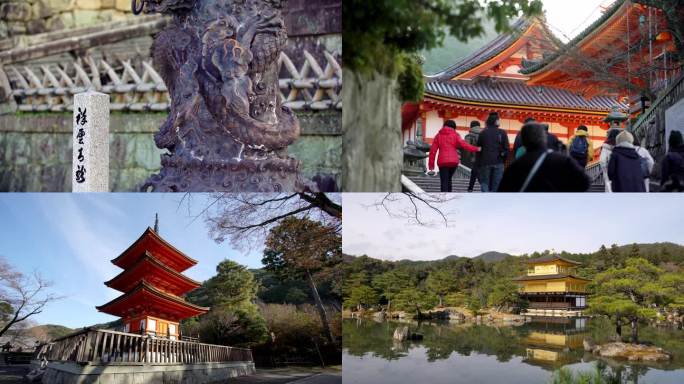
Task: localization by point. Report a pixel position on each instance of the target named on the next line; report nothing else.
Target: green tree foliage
(234, 318)
(441, 282)
(384, 35)
(362, 297)
(415, 301)
(476, 284)
(630, 294)
(391, 283)
(504, 294)
(233, 285)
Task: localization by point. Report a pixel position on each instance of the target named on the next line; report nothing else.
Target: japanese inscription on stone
(91, 143)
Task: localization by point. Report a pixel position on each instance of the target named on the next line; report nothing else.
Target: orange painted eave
(503, 55)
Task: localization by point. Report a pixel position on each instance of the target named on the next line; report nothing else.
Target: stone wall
(35, 150)
(72, 373)
(28, 17)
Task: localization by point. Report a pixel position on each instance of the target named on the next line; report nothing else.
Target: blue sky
(513, 223)
(71, 238)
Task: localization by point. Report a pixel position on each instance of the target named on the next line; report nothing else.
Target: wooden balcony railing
(538, 305)
(98, 346)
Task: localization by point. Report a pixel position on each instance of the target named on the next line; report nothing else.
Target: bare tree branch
(245, 219)
(21, 296)
(426, 209)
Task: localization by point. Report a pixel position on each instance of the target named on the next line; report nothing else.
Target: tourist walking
(626, 169)
(580, 146)
(541, 169)
(672, 168)
(447, 142)
(649, 162)
(471, 159)
(494, 144)
(604, 156)
(552, 141)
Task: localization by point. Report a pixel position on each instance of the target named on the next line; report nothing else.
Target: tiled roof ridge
(486, 52)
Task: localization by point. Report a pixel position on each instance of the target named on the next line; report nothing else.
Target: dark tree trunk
(320, 308)
(635, 331)
(618, 327)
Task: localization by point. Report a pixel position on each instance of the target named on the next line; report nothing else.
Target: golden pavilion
(552, 288)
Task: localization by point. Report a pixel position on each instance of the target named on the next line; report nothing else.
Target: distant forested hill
(482, 281)
(454, 50)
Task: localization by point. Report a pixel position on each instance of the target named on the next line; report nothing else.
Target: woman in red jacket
(447, 142)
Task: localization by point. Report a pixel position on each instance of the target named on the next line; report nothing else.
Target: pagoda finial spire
(156, 223)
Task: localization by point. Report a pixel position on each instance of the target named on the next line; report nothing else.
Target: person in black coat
(624, 167)
(672, 168)
(494, 144)
(556, 172)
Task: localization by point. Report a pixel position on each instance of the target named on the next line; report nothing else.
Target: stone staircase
(459, 183)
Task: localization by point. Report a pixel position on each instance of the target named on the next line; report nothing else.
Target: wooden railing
(540, 305)
(106, 347)
(652, 136)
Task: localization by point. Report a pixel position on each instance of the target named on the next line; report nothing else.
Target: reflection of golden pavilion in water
(552, 289)
(555, 341)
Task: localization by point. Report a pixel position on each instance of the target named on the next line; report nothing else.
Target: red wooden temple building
(527, 73)
(153, 285)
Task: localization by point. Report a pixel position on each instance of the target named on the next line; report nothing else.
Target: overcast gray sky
(514, 224)
(569, 17)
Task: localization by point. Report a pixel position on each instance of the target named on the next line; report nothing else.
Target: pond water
(527, 354)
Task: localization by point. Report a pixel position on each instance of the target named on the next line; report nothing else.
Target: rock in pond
(401, 333)
(632, 352)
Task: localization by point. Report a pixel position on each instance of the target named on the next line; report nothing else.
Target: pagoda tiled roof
(516, 92)
(547, 258)
(147, 265)
(612, 10)
(549, 277)
(486, 52)
(151, 298)
(166, 253)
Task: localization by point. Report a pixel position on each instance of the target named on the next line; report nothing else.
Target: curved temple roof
(486, 52)
(545, 259)
(160, 248)
(153, 271)
(145, 298)
(517, 93)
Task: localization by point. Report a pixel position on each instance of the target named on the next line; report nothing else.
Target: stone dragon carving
(227, 129)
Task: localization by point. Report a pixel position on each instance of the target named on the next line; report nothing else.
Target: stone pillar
(90, 167)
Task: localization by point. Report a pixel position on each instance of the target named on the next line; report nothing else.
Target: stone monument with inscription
(227, 129)
(90, 164)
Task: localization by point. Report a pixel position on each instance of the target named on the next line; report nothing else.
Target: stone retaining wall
(35, 150)
(119, 373)
(22, 17)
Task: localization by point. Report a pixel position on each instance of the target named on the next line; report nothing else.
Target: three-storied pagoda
(551, 287)
(152, 284)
